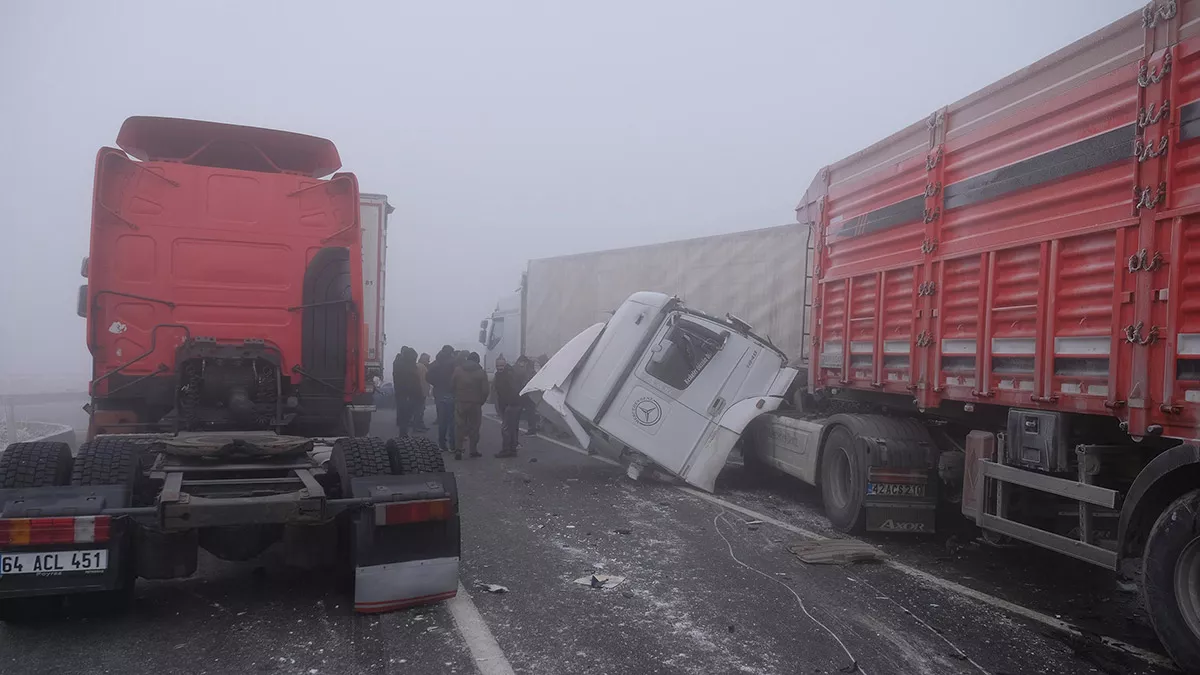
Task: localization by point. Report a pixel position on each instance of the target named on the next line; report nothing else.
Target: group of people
(460, 388)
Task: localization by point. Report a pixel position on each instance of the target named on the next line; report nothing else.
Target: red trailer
(1018, 278)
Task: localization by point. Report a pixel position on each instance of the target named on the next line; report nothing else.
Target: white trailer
(373, 217)
(373, 221)
(758, 276)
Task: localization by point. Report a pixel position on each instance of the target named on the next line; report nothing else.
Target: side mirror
(483, 336)
(483, 326)
(81, 303)
(83, 267)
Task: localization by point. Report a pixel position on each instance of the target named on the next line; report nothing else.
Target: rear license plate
(896, 489)
(53, 562)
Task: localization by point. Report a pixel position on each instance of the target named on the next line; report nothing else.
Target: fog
(501, 131)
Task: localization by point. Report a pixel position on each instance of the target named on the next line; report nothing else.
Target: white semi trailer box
(373, 216)
(759, 276)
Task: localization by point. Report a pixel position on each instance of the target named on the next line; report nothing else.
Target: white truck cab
(661, 384)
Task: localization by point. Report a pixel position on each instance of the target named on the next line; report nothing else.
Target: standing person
(408, 387)
(440, 377)
(470, 383)
(419, 412)
(507, 384)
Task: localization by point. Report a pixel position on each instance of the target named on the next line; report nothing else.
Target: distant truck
(754, 275)
(374, 210)
(1005, 321)
(231, 334)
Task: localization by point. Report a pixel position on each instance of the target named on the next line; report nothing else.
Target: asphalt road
(706, 590)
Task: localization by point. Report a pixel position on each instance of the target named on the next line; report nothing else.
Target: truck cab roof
(227, 146)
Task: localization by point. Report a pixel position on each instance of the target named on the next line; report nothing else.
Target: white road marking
(1146, 655)
(489, 658)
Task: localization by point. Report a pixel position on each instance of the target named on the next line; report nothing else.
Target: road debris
(492, 588)
(602, 581)
(835, 552)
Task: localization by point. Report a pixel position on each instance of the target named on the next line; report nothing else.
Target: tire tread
(35, 464)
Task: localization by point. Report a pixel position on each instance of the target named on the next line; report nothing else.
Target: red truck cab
(224, 281)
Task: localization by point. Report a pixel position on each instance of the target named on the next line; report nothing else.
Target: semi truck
(1003, 324)
(753, 274)
(230, 333)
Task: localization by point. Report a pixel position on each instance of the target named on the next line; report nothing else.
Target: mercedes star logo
(647, 412)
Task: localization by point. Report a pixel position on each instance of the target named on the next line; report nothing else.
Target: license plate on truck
(896, 489)
(53, 562)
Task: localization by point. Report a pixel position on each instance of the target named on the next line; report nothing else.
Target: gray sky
(501, 131)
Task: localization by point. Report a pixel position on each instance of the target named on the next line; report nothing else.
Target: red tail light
(39, 531)
(413, 512)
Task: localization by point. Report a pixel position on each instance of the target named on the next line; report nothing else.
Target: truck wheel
(108, 461)
(359, 458)
(1171, 579)
(843, 480)
(37, 464)
(415, 454)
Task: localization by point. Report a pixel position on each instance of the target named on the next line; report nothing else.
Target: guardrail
(10, 402)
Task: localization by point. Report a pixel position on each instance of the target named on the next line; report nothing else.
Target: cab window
(497, 333)
(682, 353)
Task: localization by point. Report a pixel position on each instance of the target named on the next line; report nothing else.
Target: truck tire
(358, 458)
(415, 454)
(843, 480)
(108, 461)
(1171, 580)
(36, 464)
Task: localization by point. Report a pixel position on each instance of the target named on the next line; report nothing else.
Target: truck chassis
(85, 528)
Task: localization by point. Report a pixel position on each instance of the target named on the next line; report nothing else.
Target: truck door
(675, 395)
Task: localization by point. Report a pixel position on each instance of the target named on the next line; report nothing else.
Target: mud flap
(900, 500)
(406, 548)
(78, 510)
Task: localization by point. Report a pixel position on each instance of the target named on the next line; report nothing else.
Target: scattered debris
(623, 530)
(493, 588)
(852, 668)
(754, 522)
(604, 581)
(835, 552)
(627, 594)
(533, 460)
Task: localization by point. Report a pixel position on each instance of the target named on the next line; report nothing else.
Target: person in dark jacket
(439, 376)
(507, 384)
(470, 383)
(408, 388)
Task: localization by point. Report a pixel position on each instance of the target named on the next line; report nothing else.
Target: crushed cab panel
(661, 383)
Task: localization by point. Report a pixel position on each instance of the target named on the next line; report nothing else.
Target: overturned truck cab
(661, 384)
